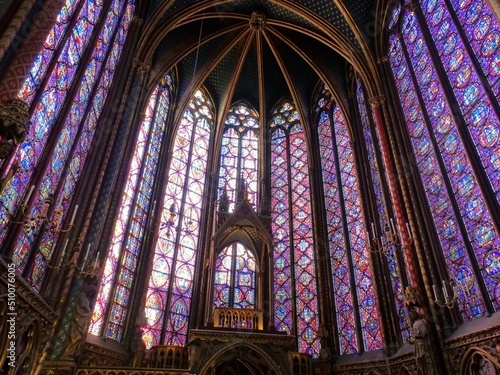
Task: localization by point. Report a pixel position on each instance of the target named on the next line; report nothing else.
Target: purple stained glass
(130, 225)
(370, 324)
(338, 257)
(394, 269)
(280, 227)
(480, 25)
(42, 61)
(292, 228)
(458, 170)
(168, 299)
(46, 111)
(239, 154)
(234, 284)
(73, 130)
(334, 140)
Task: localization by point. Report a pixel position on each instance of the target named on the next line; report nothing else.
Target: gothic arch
(404, 371)
(244, 226)
(27, 349)
(476, 359)
(256, 360)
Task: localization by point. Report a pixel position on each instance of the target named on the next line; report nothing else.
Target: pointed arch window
(445, 139)
(295, 291)
(168, 298)
(113, 297)
(235, 274)
(397, 272)
(65, 112)
(240, 154)
(357, 315)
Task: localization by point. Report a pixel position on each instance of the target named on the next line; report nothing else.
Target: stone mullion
(421, 218)
(9, 31)
(381, 277)
(421, 293)
(345, 232)
(102, 156)
(328, 330)
(396, 194)
(52, 141)
(495, 7)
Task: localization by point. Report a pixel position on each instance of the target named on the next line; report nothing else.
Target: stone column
(397, 200)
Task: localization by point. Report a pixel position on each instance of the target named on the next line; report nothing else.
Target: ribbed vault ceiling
(258, 51)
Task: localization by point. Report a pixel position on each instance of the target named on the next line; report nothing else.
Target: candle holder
(169, 224)
(89, 269)
(384, 243)
(449, 299)
(42, 217)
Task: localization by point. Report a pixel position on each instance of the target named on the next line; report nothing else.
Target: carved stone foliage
(98, 356)
(399, 364)
(264, 352)
(480, 360)
(475, 353)
(14, 125)
(26, 322)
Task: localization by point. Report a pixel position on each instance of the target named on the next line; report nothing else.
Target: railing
(239, 318)
(168, 357)
(302, 364)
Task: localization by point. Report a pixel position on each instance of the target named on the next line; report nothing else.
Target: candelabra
(86, 269)
(449, 299)
(390, 238)
(42, 217)
(89, 268)
(168, 224)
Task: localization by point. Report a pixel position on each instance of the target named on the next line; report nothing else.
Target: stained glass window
(234, 284)
(168, 299)
(371, 143)
(114, 293)
(296, 299)
(441, 142)
(349, 254)
(239, 154)
(476, 107)
(67, 151)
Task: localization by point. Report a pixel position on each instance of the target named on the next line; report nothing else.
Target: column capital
(383, 60)
(138, 20)
(377, 101)
(141, 67)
